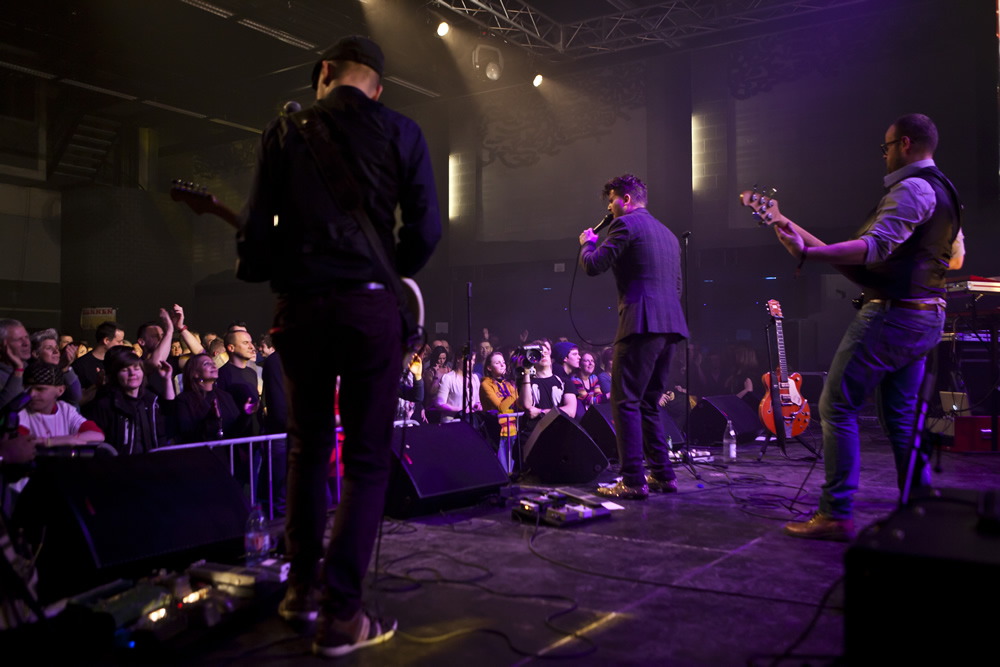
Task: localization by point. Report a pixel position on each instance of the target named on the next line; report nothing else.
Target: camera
(526, 356)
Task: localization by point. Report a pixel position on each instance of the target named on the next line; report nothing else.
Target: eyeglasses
(885, 146)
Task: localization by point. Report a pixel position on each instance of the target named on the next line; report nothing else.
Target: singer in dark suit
(645, 258)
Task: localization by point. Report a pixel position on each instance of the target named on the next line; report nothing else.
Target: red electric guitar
(794, 408)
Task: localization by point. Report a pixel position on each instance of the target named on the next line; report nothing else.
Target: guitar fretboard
(782, 364)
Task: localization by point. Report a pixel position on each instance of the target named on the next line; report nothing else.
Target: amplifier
(920, 585)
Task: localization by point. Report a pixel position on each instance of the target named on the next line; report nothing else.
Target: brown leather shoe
(821, 527)
(661, 485)
(624, 492)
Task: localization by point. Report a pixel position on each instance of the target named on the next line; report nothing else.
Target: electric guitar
(199, 200)
(794, 408)
(764, 205)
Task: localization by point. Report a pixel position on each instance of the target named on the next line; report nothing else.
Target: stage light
(488, 62)
(443, 29)
(538, 81)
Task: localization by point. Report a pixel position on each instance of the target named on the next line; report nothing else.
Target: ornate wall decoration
(520, 126)
(759, 65)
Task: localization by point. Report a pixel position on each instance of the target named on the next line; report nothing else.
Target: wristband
(183, 327)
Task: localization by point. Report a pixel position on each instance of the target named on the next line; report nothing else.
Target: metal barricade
(269, 438)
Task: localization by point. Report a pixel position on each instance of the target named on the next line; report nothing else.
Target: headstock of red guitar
(195, 196)
(764, 205)
(774, 309)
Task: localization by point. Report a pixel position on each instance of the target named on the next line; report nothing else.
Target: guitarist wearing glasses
(327, 182)
(899, 257)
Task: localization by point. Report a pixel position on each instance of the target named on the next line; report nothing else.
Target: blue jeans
(882, 351)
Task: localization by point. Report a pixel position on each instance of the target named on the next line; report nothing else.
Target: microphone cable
(572, 286)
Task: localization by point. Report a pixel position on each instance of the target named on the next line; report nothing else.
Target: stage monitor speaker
(708, 420)
(599, 425)
(937, 560)
(442, 466)
(559, 451)
(97, 520)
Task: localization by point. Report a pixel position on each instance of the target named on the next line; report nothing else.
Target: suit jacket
(645, 258)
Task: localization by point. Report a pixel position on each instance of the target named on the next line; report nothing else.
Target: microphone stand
(686, 453)
(467, 364)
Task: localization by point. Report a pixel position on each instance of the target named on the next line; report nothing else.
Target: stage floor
(702, 577)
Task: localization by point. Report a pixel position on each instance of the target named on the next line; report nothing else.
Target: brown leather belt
(909, 305)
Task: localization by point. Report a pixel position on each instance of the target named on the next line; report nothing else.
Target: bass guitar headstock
(195, 196)
(774, 309)
(764, 205)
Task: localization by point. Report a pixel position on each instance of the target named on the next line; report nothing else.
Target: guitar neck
(227, 214)
(782, 363)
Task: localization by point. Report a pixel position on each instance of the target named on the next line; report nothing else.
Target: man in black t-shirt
(235, 377)
(90, 367)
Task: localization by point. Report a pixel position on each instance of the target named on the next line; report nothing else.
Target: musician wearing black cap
(329, 283)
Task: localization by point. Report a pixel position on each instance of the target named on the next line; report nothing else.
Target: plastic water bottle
(729, 441)
(257, 541)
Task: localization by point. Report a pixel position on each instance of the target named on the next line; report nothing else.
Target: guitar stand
(779, 435)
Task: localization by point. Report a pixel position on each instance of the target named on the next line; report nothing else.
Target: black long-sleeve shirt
(313, 242)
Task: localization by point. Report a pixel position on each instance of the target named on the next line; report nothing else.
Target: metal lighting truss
(629, 27)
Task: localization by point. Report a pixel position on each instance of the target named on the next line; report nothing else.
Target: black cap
(354, 48)
(41, 372)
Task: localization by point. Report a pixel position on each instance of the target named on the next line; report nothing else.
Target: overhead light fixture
(443, 28)
(537, 81)
(487, 62)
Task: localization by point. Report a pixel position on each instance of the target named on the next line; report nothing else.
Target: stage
(703, 577)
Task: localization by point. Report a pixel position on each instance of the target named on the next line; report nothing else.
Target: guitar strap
(344, 188)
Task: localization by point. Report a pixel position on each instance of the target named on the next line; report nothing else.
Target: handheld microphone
(290, 108)
(603, 223)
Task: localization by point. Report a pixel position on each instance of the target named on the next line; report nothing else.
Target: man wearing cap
(329, 282)
(645, 258)
(49, 420)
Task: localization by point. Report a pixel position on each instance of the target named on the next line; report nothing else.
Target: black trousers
(639, 371)
(354, 334)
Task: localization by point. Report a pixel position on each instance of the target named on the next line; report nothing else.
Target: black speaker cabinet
(708, 420)
(100, 519)
(599, 425)
(440, 466)
(559, 451)
(920, 587)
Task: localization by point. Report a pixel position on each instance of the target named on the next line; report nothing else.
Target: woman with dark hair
(130, 415)
(433, 370)
(204, 413)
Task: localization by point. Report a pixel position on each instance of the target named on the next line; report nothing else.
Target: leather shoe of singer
(624, 492)
(661, 485)
(821, 527)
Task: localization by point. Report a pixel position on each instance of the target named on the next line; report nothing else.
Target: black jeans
(354, 334)
(641, 364)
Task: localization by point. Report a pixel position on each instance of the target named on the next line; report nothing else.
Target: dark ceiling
(213, 58)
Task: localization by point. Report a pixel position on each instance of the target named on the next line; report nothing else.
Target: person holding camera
(645, 258)
(541, 390)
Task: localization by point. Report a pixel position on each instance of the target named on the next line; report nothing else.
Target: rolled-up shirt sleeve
(908, 204)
